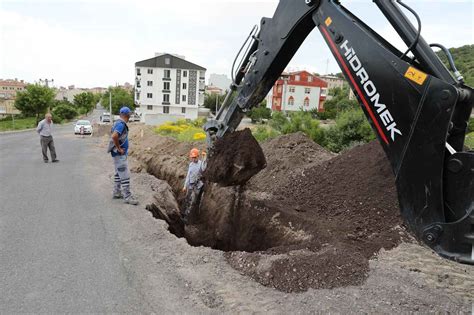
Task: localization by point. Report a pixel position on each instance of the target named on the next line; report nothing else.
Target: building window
(149, 107)
(185, 74)
(167, 61)
(166, 98)
(149, 83)
(183, 110)
(323, 92)
(292, 89)
(138, 95)
(149, 95)
(307, 90)
(279, 89)
(183, 98)
(297, 77)
(306, 102)
(185, 86)
(167, 74)
(139, 72)
(310, 79)
(166, 109)
(150, 71)
(166, 86)
(291, 101)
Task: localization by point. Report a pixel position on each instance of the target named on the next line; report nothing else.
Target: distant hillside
(464, 61)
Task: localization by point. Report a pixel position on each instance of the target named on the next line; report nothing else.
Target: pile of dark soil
(310, 219)
(287, 156)
(235, 158)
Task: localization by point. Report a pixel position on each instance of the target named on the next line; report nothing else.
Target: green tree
(338, 103)
(211, 99)
(36, 100)
(120, 98)
(64, 111)
(84, 102)
(464, 61)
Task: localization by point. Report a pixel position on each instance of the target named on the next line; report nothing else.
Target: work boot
(55, 161)
(117, 196)
(131, 201)
(46, 161)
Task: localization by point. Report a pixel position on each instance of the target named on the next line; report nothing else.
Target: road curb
(16, 131)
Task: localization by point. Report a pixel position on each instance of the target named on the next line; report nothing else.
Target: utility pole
(217, 103)
(46, 82)
(110, 107)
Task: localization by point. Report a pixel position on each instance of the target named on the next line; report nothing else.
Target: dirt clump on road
(235, 158)
(310, 219)
(100, 130)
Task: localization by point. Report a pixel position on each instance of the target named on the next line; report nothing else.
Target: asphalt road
(59, 249)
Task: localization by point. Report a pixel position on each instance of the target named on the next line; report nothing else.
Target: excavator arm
(417, 108)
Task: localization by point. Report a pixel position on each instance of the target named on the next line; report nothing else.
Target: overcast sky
(96, 42)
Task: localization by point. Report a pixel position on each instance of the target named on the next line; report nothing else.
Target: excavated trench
(310, 219)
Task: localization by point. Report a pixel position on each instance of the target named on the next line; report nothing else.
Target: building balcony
(166, 91)
(165, 103)
(166, 79)
(202, 78)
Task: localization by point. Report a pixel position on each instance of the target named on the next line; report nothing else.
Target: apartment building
(8, 90)
(334, 82)
(299, 90)
(168, 88)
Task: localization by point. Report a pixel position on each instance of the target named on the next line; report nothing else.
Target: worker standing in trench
(193, 184)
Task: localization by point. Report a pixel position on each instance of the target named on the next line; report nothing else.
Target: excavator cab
(418, 109)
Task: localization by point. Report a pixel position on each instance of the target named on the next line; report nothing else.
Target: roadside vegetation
(183, 130)
(17, 123)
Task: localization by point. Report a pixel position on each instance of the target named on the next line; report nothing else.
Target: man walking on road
(44, 129)
(118, 147)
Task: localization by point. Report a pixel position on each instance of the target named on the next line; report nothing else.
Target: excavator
(418, 108)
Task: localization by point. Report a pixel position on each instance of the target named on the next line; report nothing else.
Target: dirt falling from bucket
(235, 159)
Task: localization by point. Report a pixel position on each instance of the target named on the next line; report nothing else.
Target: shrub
(183, 130)
(278, 120)
(351, 128)
(199, 136)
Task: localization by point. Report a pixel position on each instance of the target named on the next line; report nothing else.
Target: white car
(83, 127)
(105, 118)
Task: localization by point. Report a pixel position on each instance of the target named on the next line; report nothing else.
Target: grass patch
(470, 141)
(183, 130)
(20, 124)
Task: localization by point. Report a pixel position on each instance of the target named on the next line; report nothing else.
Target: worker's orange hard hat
(194, 153)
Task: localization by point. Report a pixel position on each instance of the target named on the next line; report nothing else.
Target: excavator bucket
(234, 159)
